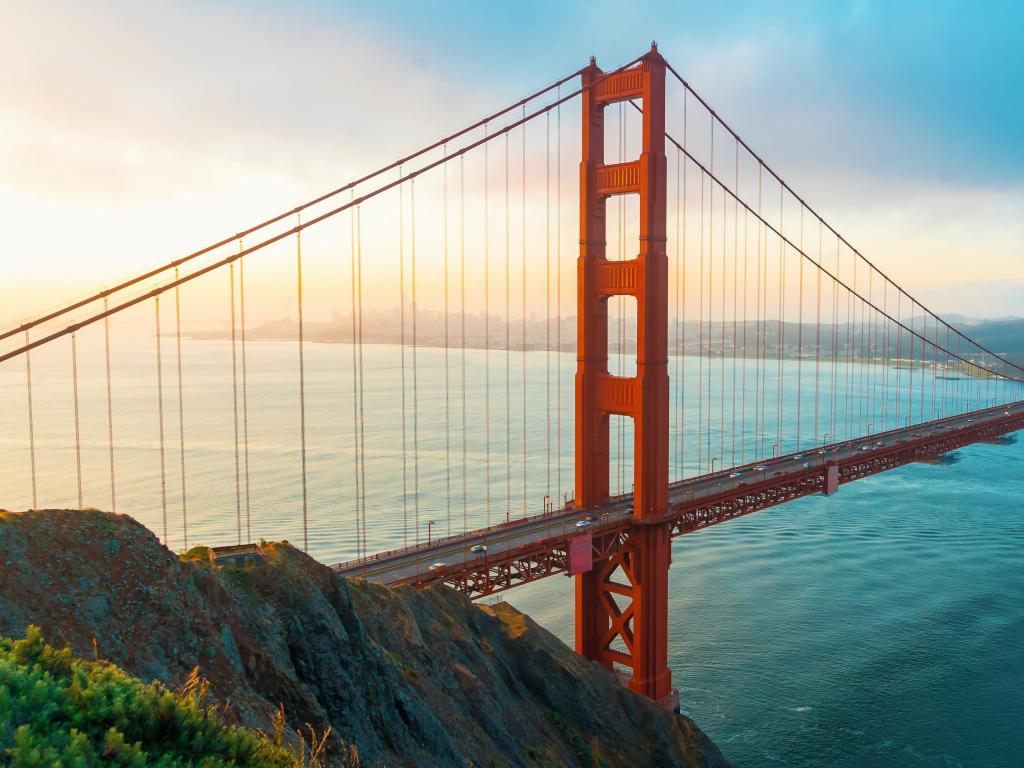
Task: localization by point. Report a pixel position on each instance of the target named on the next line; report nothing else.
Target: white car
(734, 475)
(584, 523)
(438, 566)
(477, 548)
(798, 457)
(760, 468)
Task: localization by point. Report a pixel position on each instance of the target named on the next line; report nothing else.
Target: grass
(56, 709)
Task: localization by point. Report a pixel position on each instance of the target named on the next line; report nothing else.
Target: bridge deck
(533, 548)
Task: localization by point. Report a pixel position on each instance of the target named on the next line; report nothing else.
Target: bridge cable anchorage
(31, 425)
(181, 411)
(349, 186)
(462, 335)
(160, 418)
(447, 398)
(234, 408)
(110, 411)
(78, 429)
(245, 399)
(415, 366)
(523, 244)
(362, 388)
(401, 346)
(302, 385)
(761, 163)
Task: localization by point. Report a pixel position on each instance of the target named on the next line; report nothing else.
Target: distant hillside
(410, 678)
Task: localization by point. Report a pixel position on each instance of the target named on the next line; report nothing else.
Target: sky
(134, 132)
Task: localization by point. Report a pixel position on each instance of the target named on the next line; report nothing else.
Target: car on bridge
(734, 475)
(760, 468)
(478, 548)
(586, 522)
(438, 566)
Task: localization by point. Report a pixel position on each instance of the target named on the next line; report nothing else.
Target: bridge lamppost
(713, 460)
(430, 523)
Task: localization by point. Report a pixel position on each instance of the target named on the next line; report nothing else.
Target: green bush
(57, 710)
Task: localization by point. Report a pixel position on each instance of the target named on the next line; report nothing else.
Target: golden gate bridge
(733, 352)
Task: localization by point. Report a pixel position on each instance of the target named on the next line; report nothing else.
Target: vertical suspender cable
(359, 490)
(743, 383)
(558, 296)
(487, 327)
(78, 428)
(682, 329)
(524, 307)
(462, 333)
(362, 420)
(181, 411)
(245, 399)
(110, 410)
(817, 345)
(234, 409)
(758, 337)
(679, 330)
(508, 346)
(782, 327)
(834, 399)
(32, 426)
(735, 293)
(725, 292)
(547, 296)
(711, 280)
(401, 313)
(447, 396)
(160, 417)
(302, 387)
(800, 335)
(415, 367)
(899, 354)
(700, 341)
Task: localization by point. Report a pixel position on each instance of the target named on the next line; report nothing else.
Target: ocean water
(883, 626)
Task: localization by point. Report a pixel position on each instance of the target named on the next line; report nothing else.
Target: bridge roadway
(530, 548)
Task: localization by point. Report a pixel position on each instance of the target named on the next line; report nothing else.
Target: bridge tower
(638, 572)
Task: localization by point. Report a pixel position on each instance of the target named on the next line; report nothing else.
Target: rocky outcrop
(411, 678)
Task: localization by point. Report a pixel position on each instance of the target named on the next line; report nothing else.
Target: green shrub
(56, 709)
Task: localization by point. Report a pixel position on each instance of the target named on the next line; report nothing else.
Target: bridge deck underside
(525, 551)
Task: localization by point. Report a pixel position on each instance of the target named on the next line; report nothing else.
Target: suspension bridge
(483, 414)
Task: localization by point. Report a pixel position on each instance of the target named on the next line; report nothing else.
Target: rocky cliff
(410, 678)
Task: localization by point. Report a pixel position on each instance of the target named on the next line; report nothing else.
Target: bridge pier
(622, 604)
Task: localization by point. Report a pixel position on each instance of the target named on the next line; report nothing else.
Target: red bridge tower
(639, 570)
